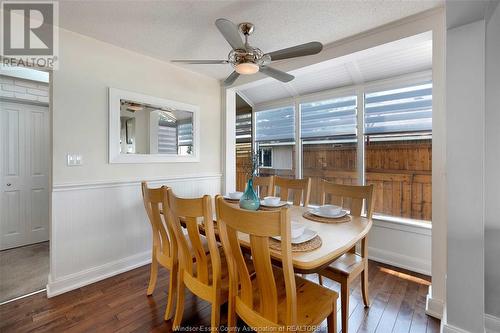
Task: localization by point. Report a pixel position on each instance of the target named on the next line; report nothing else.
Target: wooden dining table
(337, 239)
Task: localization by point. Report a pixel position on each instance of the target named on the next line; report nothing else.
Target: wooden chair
(205, 275)
(345, 269)
(265, 185)
(275, 299)
(301, 189)
(164, 250)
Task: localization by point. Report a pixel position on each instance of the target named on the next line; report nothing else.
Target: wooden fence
(401, 173)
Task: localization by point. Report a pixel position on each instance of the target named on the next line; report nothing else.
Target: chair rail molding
(100, 229)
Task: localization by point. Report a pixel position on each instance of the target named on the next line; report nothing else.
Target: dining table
(336, 239)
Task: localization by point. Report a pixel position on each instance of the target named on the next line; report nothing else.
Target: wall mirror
(147, 129)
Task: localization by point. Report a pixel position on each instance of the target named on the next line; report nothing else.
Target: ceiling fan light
(246, 68)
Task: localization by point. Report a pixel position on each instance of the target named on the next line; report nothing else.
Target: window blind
(244, 127)
(275, 124)
(406, 109)
(185, 134)
(167, 139)
(328, 118)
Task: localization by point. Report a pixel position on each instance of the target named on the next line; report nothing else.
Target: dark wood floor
(120, 304)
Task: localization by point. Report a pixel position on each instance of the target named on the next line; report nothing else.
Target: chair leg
(344, 303)
(364, 287)
(179, 310)
(231, 314)
(215, 318)
(153, 274)
(332, 319)
(320, 279)
(172, 291)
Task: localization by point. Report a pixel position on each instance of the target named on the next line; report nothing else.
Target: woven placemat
(310, 245)
(320, 219)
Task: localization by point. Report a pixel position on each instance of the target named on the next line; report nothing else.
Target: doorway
(24, 176)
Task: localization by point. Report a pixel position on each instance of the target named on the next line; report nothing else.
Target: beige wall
(80, 109)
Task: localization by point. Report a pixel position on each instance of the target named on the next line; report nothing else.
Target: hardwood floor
(120, 304)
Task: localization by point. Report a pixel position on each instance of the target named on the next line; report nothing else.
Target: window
(398, 150)
(266, 157)
(329, 144)
(380, 135)
(275, 141)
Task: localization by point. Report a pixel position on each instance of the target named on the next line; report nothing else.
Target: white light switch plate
(74, 159)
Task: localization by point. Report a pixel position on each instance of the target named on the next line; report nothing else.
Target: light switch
(74, 159)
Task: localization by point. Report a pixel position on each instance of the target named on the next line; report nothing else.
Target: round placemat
(312, 217)
(310, 245)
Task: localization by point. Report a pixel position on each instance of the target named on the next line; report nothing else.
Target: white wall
(465, 80)
(99, 227)
(492, 221)
(87, 68)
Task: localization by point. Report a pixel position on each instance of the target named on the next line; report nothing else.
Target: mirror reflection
(150, 129)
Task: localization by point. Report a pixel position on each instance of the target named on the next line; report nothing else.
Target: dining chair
(204, 274)
(301, 189)
(346, 268)
(265, 185)
(164, 250)
(273, 299)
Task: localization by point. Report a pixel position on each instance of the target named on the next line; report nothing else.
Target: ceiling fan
(247, 59)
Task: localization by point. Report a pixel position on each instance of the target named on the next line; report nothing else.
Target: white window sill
(403, 224)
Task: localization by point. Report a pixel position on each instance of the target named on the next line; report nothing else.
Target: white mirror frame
(114, 97)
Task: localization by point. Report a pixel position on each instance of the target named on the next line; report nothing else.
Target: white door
(24, 173)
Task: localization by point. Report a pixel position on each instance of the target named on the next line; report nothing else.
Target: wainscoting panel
(101, 229)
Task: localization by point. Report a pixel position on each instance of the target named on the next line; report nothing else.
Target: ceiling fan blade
(297, 51)
(277, 74)
(231, 78)
(230, 32)
(201, 62)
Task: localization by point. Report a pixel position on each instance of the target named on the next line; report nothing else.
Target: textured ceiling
(408, 55)
(169, 30)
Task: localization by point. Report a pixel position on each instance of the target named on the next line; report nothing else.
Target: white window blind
(244, 127)
(167, 139)
(406, 109)
(328, 118)
(275, 124)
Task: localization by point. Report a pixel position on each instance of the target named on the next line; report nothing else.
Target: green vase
(249, 200)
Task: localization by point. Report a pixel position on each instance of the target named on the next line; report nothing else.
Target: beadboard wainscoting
(101, 229)
(403, 245)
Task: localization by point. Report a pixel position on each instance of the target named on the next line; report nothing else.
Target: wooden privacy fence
(401, 173)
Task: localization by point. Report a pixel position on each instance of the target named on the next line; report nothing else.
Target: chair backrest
(163, 235)
(191, 212)
(300, 188)
(354, 193)
(259, 226)
(265, 185)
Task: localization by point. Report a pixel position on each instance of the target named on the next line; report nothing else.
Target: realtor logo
(29, 33)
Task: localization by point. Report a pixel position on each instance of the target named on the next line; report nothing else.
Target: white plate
(280, 204)
(316, 212)
(229, 198)
(306, 236)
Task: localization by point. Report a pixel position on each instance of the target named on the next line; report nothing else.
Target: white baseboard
(447, 328)
(491, 324)
(94, 274)
(433, 307)
(399, 260)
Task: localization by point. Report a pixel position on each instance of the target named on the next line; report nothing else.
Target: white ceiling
(408, 55)
(185, 29)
